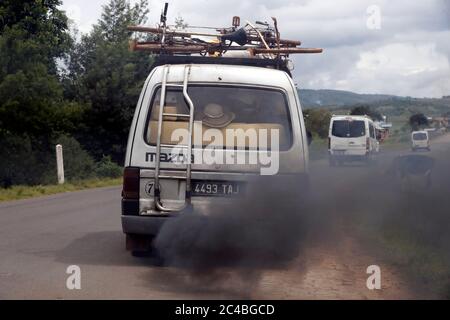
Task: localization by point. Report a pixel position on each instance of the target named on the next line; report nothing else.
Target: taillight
(367, 144)
(131, 183)
(329, 143)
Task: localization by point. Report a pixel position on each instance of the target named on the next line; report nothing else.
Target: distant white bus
(352, 138)
(420, 140)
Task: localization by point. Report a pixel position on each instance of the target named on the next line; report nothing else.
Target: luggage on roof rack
(260, 41)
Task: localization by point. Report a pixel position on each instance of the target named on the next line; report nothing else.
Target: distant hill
(385, 104)
(337, 98)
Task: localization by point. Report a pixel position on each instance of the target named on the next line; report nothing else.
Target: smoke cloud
(396, 210)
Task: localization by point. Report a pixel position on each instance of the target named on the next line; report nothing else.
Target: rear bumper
(146, 225)
(358, 153)
(420, 146)
(138, 220)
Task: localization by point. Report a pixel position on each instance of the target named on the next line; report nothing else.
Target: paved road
(41, 237)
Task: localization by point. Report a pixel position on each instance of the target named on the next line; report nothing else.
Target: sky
(397, 47)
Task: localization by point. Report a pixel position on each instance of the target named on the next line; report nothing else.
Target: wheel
(141, 246)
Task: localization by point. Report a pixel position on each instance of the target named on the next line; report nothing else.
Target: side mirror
(309, 137)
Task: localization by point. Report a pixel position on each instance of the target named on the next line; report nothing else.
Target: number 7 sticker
(149, 188)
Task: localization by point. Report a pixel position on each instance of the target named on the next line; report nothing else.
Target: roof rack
(253, 62)
(260, 41)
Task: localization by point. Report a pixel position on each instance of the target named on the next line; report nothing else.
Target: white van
(420, 140)
(351, 138)
(162, 177)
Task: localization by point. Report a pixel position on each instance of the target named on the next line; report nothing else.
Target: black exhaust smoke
(262, 229)
(397, 213)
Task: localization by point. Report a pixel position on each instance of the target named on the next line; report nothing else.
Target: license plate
(339, 152)
(217, 188)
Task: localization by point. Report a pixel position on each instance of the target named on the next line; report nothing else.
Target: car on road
(184, 103)
(350, 138)
(420, 140)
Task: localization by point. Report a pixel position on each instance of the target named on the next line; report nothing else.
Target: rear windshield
(222, 108)
(420, 136)
(348, 128)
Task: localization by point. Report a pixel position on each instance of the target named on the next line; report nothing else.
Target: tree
(368, 111)
(32, 31)
(317, 121)
(104, 74)
(117, 15)
(418, 120)
(33, 35)
(180, 24)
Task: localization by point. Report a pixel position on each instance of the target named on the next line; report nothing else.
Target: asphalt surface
(41, 237)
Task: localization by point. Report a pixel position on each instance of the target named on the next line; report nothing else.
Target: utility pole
(59, 164)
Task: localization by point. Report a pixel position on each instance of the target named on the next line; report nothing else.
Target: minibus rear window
(420, 136)
(247, 110)
(348, 128)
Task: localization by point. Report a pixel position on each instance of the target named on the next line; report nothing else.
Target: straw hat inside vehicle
(215, 117)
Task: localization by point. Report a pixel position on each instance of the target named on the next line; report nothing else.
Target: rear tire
(139, 245)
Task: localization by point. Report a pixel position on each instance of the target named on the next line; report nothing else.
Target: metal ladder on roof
(187, 177)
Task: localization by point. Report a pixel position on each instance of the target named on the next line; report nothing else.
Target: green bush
(78, 164)
(27, 161)
(404, 138)
(106, 168)
(317, 121)
(22, 160)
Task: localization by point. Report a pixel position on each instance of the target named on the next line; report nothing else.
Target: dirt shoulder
(333, 272)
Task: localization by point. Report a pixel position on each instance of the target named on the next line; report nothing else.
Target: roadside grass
(23, 192)
(396, 142)
(422, 252)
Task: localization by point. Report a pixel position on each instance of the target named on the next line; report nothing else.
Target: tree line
(57, 86)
